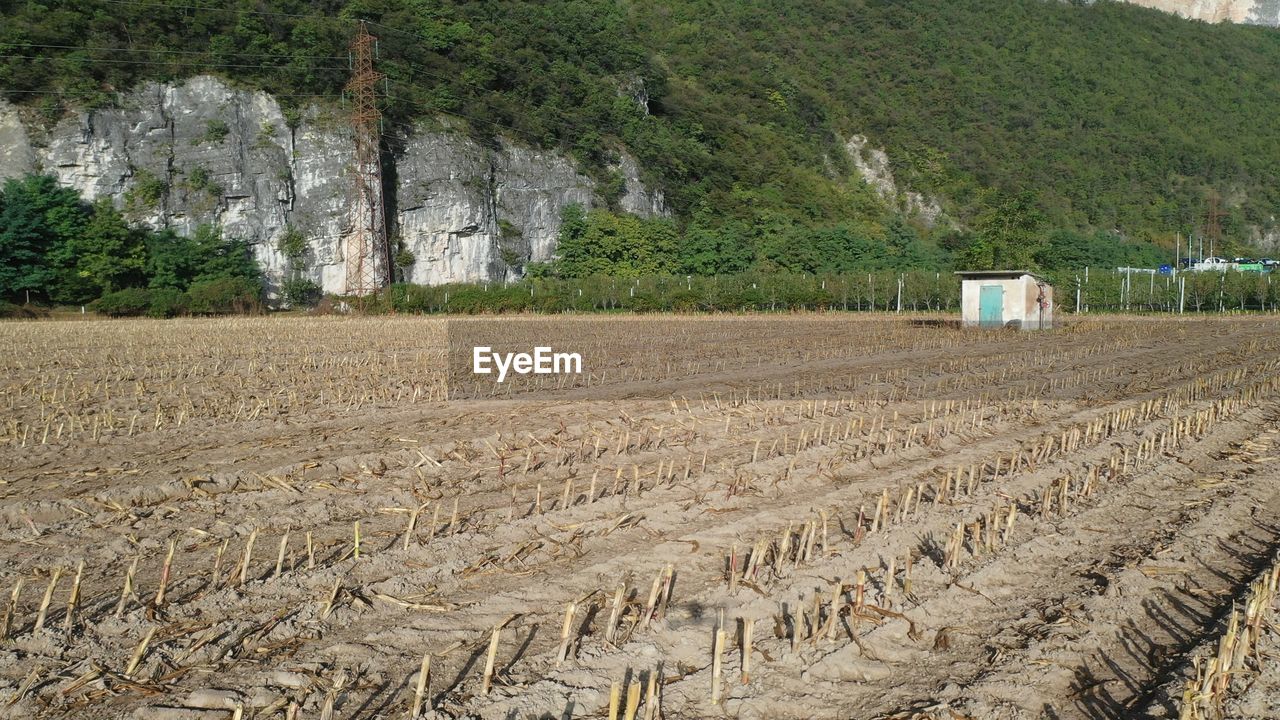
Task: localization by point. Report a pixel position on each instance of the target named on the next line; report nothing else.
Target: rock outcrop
(1254, 12)
(201, 152)
(872, 164)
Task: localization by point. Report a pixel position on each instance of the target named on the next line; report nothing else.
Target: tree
(174, 261)
(905, 247)
(102, 256)
(713, 251)
(602, 243)
(36, 216)
(1007, 234)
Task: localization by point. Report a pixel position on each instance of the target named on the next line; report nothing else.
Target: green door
(991, 306)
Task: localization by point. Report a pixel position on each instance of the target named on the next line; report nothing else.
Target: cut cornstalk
(139, 652)
(615, 699)
(413, 521)
(48, 596)
(487, 681)
(164, 575)
(651, 695)
(615, 614)
(633, 701)
(833, 617)
(565, 633)
(72, 601)
(653, 596)
(717, 664)
(333, 596)
(11, 613)
(127, 590)
(284, 546)
(216, 573)
(420, 691)
(248, 555)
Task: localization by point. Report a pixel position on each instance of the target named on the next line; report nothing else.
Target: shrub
(686, 300)
(129, 302)
(225, 295)
(166, 303)
(509, 299)
(407, 298)
(300, 292)
(14, 311)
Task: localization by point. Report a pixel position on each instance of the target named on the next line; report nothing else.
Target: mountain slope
(1102, 117)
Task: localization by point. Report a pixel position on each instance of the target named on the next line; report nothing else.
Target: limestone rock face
(201, 152)
(872, 163)
(470, 214)
(1254, 12)
(16, 154)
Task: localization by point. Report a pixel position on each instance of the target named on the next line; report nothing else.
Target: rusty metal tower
(365, 250)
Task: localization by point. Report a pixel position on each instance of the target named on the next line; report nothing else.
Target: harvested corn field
(760, 517)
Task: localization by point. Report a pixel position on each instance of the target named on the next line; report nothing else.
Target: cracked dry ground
(912, 520)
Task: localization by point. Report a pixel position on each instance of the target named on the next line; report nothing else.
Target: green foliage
(292, 244)
(63, 250)
(145, 193)
(508, 231)
(601, 243)
(216, 130)
(1097, 116)
(300, 292)
(1008, 234)
(166, 302)
(174, 261)
(199, 181)
(11, 311)
(36, 218)
(224, 295)
(1071, 250)
(129, 302)
(539, 270)
(103, 256)
(1105, 291)
(744, 292)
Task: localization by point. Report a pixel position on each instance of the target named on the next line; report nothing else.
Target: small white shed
(1005, 298)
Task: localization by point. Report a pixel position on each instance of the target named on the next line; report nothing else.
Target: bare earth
(762, 472)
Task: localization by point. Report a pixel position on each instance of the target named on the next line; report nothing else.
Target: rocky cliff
(873, 166)
(182, 155)
(1256, 12)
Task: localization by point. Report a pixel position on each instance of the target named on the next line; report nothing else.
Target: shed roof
(997, 274)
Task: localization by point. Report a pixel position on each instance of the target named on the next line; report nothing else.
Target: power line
(7, 91)
(238, 11)
(124, 61)
(560, 119)
(168, 52)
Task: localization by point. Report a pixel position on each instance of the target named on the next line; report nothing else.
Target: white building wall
(1020, 304)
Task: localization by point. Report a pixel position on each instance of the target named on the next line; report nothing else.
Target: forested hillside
(1048, 131)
